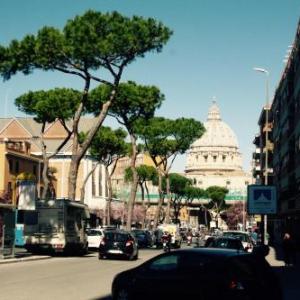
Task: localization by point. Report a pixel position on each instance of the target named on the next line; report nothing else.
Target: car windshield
(139, 232)
(227, 243)
(116, 236)
(241, 236)
(94, 232)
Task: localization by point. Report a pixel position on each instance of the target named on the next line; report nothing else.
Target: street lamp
(261, 70)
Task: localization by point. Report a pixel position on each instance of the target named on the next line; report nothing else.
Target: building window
(223, 158)
(17, 167)
(228, 182)
(10, 165)
(9, 187)
(200, 182)
(246, 182)
(215, 158)
(196, 157)
(34, 170)
(205, 158)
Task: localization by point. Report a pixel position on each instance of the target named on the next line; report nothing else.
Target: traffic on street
(149, 150)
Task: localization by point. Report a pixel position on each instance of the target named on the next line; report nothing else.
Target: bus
(56, 226)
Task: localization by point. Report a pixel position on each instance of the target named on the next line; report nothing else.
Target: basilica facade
(215, 160)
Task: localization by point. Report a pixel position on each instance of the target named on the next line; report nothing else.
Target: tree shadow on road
(103, 298)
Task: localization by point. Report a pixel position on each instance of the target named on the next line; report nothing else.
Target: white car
(95, 236)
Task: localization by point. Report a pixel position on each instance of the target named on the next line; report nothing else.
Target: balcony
(256, 140)
(20, 147)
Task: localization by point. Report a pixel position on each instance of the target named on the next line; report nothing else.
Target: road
(62, 278)
(87, 278)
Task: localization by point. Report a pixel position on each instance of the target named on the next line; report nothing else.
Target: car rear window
(247, 267)
(94, 233)
(116, 236)
(229, 244)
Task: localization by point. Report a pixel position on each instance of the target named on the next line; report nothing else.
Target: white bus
(56, 226)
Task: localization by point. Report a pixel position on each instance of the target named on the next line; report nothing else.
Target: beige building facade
(16, 162)
(28, 131)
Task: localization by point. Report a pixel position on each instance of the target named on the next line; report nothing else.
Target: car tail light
(102, 242)
(235, 285)
(58, 246)
(129, 243)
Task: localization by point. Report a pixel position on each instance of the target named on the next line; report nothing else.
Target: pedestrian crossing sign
(262, 199)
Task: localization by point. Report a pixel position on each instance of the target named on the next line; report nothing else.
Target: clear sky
(215, 45)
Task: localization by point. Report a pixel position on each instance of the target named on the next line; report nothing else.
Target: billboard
(262, 199)
(27, 195)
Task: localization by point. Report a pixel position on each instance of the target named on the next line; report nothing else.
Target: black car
(119, 243)
(199, 273)
(224, 242)
(143, 237)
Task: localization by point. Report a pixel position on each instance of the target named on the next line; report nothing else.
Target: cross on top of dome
(214, 111)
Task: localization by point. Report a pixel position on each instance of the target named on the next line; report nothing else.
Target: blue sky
(215, 45)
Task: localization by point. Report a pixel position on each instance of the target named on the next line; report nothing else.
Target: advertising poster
(27, 194)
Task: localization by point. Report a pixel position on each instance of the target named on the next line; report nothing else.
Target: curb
(25, 259)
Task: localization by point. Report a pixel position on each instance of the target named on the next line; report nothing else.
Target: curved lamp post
(266, 72)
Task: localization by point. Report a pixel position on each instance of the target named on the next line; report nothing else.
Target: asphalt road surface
(62, 278)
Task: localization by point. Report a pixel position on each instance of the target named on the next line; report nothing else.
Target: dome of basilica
(218, 133)
(217, 149)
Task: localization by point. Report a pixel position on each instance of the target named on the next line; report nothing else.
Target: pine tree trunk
(45, 175)
(109, 197)
(134, 183)
(160, 200)
(73, 178)
(82, 190)
(168, 199)
(143, 204)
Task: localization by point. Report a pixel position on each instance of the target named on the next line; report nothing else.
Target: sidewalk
(288, 276)
(21, 255)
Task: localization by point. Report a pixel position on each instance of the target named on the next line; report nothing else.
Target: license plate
(115, 251)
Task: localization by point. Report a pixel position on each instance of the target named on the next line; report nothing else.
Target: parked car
(94, 237)
(243, 237)
(143, 237)
(224, 242)
(118, 243)
(199, 273)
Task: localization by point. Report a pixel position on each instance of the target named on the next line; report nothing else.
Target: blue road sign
(262, 199)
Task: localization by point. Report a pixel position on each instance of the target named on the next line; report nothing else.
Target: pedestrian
(288, 248)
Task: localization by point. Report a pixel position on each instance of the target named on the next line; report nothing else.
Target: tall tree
(46, 107)
(178, 185)
(217, 199)
(88, 43)
(165, 139)
(145, 174)
(107, 147)
(133, 103)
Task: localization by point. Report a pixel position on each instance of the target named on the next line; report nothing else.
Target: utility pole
(264, 219)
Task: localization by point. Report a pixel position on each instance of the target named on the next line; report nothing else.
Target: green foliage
(132, 102)
(164, 137)
(87, 42)
(47, 106)
(192, 193)
(108, 144)
(144, 172)
(217, 195)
